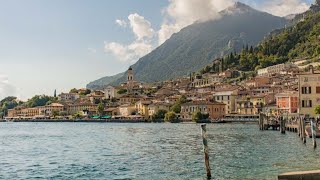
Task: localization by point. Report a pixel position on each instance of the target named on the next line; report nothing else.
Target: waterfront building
(142, 108)
(49, 109)
(23, 113)
(309, 92)
(287, 102)
(86, 108)
(112, 111)
(155, 107)
(127, 110)
(250, 104)
(227, 96)
(215, 110)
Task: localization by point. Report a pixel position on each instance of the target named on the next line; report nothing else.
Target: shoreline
(125, 121)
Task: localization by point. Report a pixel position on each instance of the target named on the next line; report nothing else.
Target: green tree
(198, 116)
(39, 100)
(55, 113)
(176, 108)
(122, 91)
(86, 92)
(74, 90)
(171, 117)
(160, 114)
(317, 110)
(63, 113)
(101, 109)
(77, 116)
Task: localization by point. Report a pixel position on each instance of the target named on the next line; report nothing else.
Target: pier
(291, 125)
(305, 127)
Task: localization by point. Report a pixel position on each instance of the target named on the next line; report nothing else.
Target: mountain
(299, 41)
(102, 82)
(198, 44)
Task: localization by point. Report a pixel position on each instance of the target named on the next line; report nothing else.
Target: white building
(68, 96)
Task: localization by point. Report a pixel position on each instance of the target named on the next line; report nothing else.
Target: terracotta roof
(203, 103)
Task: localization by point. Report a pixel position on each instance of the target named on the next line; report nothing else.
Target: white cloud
(121, 23)
(6, 89)
(181, 13)
(142, 44)
(140, 26)
(128, 53)
(284, 7)
(92, 50)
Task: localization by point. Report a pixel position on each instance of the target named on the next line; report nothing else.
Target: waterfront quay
(208, 96)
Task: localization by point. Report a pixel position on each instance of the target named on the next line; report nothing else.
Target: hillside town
(290, 89)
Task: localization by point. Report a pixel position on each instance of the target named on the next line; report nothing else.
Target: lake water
(148, 151)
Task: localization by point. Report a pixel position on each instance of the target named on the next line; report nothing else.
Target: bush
(198, 116)
(171, 117)
(160, 114)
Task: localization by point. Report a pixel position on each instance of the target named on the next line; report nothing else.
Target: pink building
(287, 102)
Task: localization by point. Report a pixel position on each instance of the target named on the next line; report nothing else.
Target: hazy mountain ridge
(103, 82)
(198, 44)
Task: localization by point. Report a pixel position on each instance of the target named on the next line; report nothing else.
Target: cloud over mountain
(142, 44)
(180, 14)
(284, 7)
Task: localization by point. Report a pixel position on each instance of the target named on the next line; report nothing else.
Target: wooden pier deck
(310, 175)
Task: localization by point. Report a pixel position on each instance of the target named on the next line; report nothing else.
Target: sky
(47, 45)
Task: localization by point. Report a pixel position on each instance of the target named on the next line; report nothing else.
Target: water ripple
(147, 151)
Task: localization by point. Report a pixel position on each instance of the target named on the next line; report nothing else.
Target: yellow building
(155, 107)
(142, 108)
(23, 113)
(309, 92)
(81, 107)
(227, 97)
(250, 104)
(49, 109)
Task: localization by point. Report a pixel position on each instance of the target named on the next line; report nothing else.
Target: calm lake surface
(148, 151)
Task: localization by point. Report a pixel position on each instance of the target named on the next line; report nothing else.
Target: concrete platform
(302, 175)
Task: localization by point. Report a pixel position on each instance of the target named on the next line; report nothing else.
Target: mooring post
(282, 124)
(304, 131)
(206, 150)
(260, 122)
(298, 123)
(313, 131)
(300, 128)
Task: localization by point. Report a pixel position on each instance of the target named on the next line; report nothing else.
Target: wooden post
(282, 125)
(304, 131)
(206, 150)
(260, 116)
(313, 131)
(298, 128)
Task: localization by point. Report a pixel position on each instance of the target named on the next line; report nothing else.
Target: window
(306, 103)
(318, 90)
(306, 90)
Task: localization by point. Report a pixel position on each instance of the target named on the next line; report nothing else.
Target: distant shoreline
(121, 121)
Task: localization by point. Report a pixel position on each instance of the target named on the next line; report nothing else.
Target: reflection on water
(148, 151)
